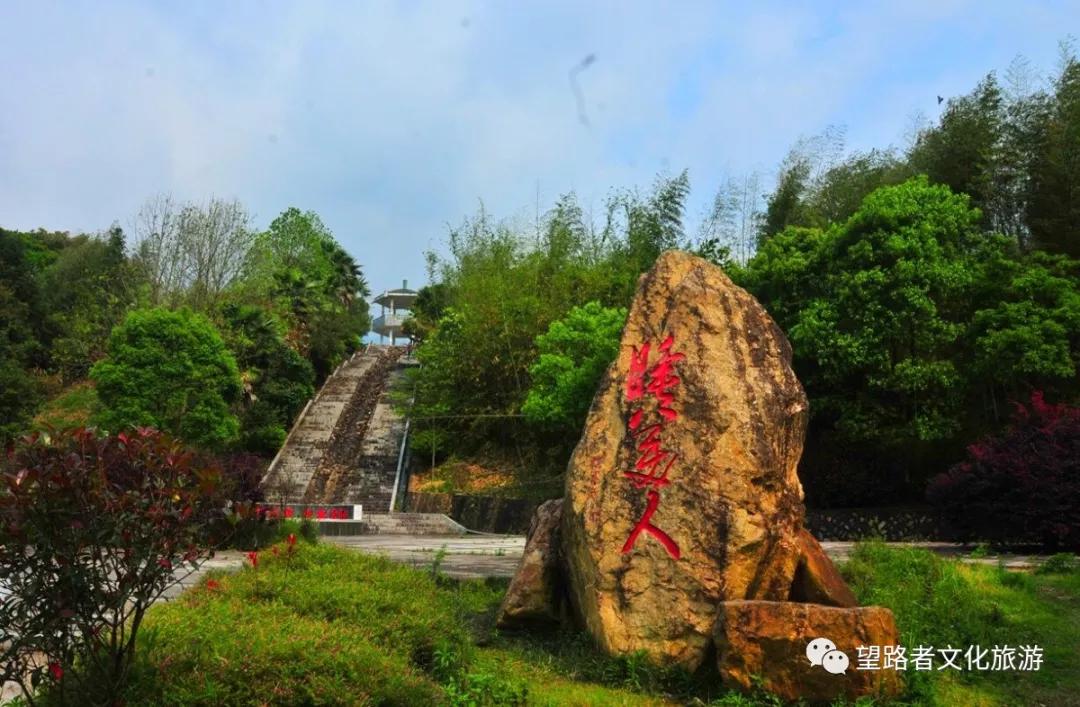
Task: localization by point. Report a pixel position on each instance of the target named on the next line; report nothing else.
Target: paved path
(227, 560)
(465, 557)
(296, 462)
(498, 555)
(473, 556)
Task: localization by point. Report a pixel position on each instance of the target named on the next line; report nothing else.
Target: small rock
(817, 581)
(764, 643)
(533, 595)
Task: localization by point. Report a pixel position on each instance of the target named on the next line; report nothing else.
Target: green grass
(75, 406)
(324, 627)
(336, 627)
(940, 603)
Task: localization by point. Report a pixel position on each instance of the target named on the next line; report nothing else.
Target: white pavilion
(398, 302)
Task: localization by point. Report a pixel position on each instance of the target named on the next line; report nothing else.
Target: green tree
(786, 272)
(909, 324)
(20, 329)
(963, 151)
(840, 190)
(426, 311)
(784, 206)
(294, 240)
(1028, 336)
(498, 291)
(88, 288)
(883, 331)
(574, 353)
(1053, 210)
(297, 270)
(277, 380)
(649, 225)
(169, 370)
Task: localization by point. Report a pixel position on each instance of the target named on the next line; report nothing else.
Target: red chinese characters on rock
(654, 462)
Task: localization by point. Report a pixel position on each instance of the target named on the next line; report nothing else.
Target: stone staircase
(370, 481)
(292, 470)
(344, 447)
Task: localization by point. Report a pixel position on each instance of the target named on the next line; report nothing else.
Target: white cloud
(391, 120)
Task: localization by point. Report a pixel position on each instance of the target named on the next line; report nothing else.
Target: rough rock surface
(769, 640)
(719, 419)
(817, 580)
(533, 594)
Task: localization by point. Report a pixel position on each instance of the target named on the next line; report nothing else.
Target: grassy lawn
(329, 626)
(942, 603)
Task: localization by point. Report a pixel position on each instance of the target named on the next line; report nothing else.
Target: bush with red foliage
(1022, 486)
(93, 529)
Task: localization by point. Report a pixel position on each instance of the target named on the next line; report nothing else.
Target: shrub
(241, 474)
(92, 530)
(249, 531)
(169, 370)
(574, 353)
(1022, 485)
(1061, 563)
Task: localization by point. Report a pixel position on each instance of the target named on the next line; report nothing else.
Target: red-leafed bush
(1020, 486)
(93, 529)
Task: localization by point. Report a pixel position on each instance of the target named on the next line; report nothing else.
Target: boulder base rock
(817, 580)
(682, 492)
(534, 593)
(767, 640)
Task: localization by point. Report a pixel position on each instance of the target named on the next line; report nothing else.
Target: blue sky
(392, 120)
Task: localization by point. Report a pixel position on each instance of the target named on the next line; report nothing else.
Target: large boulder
(534, 594)
(682, 493)
(766, 643)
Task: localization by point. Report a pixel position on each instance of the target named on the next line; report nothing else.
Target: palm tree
(346, 279)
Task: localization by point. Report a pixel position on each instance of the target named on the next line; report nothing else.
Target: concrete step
(394, 524)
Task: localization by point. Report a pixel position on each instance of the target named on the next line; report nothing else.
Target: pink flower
(291, 539)
(55, 670)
